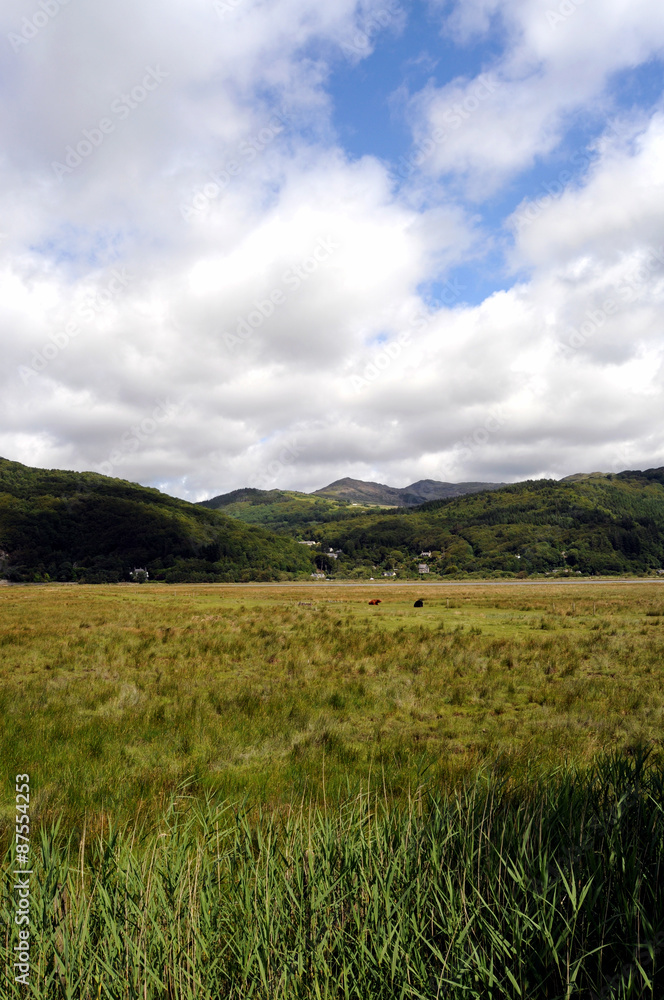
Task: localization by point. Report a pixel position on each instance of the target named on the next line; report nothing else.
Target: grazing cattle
(376, 600)
(419, 604)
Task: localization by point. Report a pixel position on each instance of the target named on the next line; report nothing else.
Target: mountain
(357, 491)
(90, 528)
(347, 491)
(86, 527)
(431, 489)
(592, 524)
(580, 477)
(292, 513)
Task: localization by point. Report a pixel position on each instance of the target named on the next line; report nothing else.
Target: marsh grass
(111, 696)
(244, 792)
(498, 890)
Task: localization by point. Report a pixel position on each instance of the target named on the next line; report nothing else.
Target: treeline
(67, 526)
(602, 526)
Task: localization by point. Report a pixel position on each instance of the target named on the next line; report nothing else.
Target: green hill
(376, 494)
(284, 511)
(87, 527)
(290, 512)
(83, 526)
(590, 525)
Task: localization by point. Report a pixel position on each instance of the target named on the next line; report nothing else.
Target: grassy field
(280, 791)
(112, 696)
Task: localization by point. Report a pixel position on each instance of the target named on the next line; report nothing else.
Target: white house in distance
(422, 568)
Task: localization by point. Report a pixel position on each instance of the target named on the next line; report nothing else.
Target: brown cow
(376, 600)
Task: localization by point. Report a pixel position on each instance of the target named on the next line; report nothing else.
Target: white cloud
(618, 210)
(120, 313)
(557, 60)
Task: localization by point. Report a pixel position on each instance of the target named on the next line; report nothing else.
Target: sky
(273, 243)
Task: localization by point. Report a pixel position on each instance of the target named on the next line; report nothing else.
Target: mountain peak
(358, 491)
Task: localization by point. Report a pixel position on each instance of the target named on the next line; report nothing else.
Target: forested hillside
(71, 526)
(81, 526)
(599, 525)
(284, 511)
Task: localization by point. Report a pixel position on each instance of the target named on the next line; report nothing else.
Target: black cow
(419, 603)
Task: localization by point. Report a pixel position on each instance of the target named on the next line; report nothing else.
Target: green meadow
(281, 791)
(112, 696)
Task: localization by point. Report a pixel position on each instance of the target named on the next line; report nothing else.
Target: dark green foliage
(552, 889)
(599, 525)
(90, 528)
(71, 526)
(283, 510)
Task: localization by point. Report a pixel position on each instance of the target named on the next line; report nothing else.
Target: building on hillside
(318, 576)
(426, 555)
(308, 543)
(422, 568)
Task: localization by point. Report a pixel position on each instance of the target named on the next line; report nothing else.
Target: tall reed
(552, 889)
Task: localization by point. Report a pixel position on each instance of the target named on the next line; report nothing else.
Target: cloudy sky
(277, 242)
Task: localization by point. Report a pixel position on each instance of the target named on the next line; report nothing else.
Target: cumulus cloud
(201, 289)
(557, 59)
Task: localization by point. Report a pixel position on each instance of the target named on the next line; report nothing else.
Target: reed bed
(542, 888)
